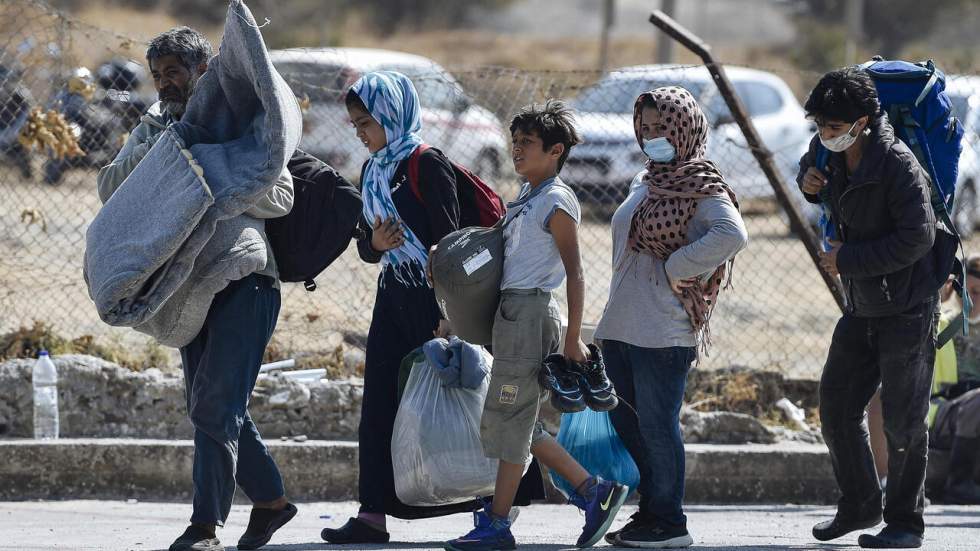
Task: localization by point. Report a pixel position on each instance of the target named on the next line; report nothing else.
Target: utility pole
(854, 20)
(608, 19)
(665, 44)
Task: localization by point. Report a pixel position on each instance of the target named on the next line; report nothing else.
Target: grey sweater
(642, 310)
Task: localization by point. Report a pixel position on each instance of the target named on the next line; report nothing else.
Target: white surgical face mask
(660, 150)
(842, 142)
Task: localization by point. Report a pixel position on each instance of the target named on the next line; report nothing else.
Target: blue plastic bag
(590, 438)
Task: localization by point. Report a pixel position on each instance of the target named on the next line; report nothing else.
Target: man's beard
(176, 103)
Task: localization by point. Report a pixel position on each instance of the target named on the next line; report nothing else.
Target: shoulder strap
(413, 170)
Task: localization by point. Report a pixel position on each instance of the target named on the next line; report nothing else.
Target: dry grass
(26, 342)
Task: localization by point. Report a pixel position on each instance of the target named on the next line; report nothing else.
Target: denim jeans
(899, 352)
(221, 366)
(652, 380)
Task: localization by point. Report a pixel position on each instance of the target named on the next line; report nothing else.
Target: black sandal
(355, 531)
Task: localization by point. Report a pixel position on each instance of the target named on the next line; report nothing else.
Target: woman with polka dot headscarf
(674, 238)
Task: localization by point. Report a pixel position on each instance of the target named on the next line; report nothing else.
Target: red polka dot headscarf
(659, 225)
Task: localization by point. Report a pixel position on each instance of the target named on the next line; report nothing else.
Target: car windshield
(437, 89)
(617, 95)
(320, 82)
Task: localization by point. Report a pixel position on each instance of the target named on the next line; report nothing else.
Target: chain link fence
(778, 316)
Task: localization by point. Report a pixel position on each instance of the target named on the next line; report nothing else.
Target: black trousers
(404, 318)
(898, 352)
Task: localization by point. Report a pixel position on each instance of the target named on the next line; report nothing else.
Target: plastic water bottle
(45, 380)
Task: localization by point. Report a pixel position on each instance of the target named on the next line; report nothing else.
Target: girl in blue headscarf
(398, 229)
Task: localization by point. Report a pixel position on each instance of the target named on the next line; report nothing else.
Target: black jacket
(431, 219)
(892, 259)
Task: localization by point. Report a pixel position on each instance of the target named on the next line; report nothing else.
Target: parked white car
(468, 133)
(601, 168)
(964, 92)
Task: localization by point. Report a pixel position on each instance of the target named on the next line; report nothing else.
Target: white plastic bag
(435, 447)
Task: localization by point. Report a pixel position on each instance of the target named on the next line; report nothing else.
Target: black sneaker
(650, 535)
(355, 531)
(262, 523)
(562, 383)
(612, 536)
(600, 394)
(197, 538)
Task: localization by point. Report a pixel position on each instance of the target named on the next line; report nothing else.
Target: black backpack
(321, 224)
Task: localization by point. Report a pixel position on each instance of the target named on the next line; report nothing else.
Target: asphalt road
(118, 525)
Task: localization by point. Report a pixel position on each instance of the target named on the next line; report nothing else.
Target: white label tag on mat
(477, 261)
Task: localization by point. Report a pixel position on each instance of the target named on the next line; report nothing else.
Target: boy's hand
(576, 351)
(813, 181)
(386, 235)
(828, 260)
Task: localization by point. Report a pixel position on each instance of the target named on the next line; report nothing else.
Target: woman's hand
(428, 265)
(387, 235)
(678, 285)
(443, 330)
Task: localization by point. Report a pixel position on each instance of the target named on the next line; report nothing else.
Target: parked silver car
(468, 133)
(601, 168)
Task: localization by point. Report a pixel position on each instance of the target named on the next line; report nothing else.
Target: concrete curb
(95, 468)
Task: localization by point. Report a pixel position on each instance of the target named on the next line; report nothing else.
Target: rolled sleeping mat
(467, 268)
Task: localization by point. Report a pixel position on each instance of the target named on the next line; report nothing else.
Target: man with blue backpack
(889, 238)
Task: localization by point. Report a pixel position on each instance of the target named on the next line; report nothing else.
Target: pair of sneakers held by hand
(575, 386)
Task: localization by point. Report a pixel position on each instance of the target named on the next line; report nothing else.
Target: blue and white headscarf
(390, 98)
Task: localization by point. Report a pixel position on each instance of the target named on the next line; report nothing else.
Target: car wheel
(965, 210)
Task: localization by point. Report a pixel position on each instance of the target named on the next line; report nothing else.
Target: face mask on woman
(842, 142)
(660, 150)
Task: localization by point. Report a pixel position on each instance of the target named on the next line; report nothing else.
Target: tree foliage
(888, 25)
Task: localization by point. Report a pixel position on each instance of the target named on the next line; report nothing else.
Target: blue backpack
(914, 97)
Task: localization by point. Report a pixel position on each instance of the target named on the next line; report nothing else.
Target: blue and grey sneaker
(562, 383)
(598, 390)
(603, 502)
(490, 534)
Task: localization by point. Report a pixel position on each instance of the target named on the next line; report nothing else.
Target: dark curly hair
(843, 95)
(553, 123)
(190, 47)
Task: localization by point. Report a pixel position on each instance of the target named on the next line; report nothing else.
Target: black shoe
(612, 536)
(197, 538)
(262, 523)
(833, 529)
(562, 383)
(355, 531)
(649, 535)
(600, 395)
(891, 538)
